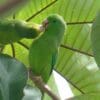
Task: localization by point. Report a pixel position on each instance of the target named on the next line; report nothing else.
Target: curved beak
(45, 23)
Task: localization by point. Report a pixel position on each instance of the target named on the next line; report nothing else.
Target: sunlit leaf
(87, 97)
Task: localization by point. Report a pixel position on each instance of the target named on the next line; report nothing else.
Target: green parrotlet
(15, 30)
(44, 49)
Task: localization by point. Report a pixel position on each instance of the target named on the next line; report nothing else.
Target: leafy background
(75, 62)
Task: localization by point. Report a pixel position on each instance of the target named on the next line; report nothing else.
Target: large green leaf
(78, 69)
(71, 10)
(87, 97)
(13, 78)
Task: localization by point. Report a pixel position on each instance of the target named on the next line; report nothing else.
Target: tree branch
(76, 50)
(42, 86)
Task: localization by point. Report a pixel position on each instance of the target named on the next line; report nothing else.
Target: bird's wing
(54, 59)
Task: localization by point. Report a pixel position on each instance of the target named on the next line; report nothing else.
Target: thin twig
(74, 85)
(42, 86)
(75, 23)
(76, 50)
(22, 44)
(13, 50)
(41, 10)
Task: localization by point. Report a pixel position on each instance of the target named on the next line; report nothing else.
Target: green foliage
(95, 38)
(87, 97)
(76, 60)
(13, 78)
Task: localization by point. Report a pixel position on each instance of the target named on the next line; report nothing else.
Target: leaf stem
(38, 12)
(22, 44)
(63, 46)
(76, 50)
(83, 22)
(42, 86)
(13, 50)
(74, 85)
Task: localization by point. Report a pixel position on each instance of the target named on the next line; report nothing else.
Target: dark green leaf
(13, 78)
(95, 37)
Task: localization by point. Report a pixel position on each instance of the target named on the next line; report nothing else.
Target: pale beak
(45, 23)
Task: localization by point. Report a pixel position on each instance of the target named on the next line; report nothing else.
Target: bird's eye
(54, 21)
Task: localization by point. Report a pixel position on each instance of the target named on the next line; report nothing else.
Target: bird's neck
(52, 38)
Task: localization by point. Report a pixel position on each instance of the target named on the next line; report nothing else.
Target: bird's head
(54, 23)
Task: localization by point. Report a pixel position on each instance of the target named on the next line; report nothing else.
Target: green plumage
(43, 51)
(15, 30)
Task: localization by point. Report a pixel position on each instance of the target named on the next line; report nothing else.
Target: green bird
(15, 30)
(44, 49)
